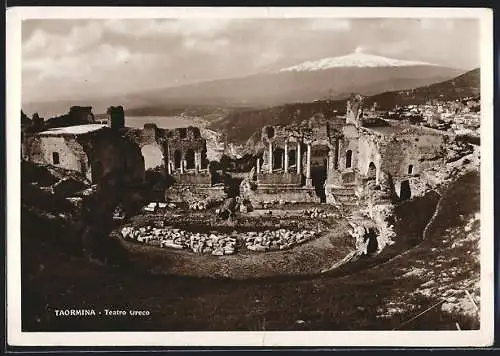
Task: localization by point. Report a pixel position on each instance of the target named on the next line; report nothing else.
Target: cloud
(89, 66)
(330, 24)
(154, 28)
(202, 45)
(37, 41)
(392, 48)
(127, 55)
(55, 44)
(437, 23)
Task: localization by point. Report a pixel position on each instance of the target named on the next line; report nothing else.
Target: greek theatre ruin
(326, 159)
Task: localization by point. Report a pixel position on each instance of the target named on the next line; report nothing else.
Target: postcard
(249, 176)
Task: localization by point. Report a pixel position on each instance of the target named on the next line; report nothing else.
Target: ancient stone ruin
(352, 163)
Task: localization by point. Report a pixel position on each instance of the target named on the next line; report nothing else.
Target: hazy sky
(83, 58)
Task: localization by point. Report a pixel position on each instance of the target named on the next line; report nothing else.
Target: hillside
(240, 125)
(465, 85)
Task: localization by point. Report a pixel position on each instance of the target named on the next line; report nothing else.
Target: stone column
(197, 162)
(308, 167)
(335, 154)
(169, 166)
(340, 148)
(299, 159)
(331, 160)
(270, 157)
(286, 157)
(258, 165)
(183, 162)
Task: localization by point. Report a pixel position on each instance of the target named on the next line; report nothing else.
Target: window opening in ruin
(177, 159)
(55, 157)
(372, 170)
(405, 191)
(190, 159)
(182, 132)
(410, 169)
(278, 157)
(270, 132)
(348, 159)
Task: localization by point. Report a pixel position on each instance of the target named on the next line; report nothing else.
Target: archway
(372, 171)
(404, 190)
(177, 159)
(348, 159)
(269, 131)
(319, 166)
(190, 162)
(153, 156)
(371, 238)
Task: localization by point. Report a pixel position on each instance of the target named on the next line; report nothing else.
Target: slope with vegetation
(240, 125)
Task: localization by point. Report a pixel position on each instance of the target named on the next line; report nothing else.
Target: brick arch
(153, 156)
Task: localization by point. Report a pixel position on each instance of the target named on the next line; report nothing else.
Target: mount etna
(328, 78)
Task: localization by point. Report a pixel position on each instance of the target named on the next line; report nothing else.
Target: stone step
(343, 192)
(343, 198)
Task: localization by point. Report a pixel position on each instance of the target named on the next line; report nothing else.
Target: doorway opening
(348, 159)
(405, 191)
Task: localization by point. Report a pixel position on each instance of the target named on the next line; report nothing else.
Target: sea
(166, 122)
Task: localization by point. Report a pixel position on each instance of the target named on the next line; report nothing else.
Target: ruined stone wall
(151, 141)
(117, 154)
(368, 151)
(420, 151)
(41, 149)
(94, 155)
(183, 194)
(202, 178)
(354, 110)
(349, 142)
(279, 179)
(269, 195)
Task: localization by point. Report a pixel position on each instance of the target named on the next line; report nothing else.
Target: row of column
(286, 164)
(183, 166)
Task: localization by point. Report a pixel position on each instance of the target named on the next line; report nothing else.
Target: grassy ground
(378, 298)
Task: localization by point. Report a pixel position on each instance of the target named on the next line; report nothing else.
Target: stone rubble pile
(315, 213)
(153, 206)
(218, 244)
(215, 244)
(276, 240)
(204, 204)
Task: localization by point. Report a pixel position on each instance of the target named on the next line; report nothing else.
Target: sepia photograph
(250, 176)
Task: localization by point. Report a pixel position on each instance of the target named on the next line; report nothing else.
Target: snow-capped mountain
(332, 78)
(356, 59)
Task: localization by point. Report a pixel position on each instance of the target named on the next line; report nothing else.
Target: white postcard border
(16, 337)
